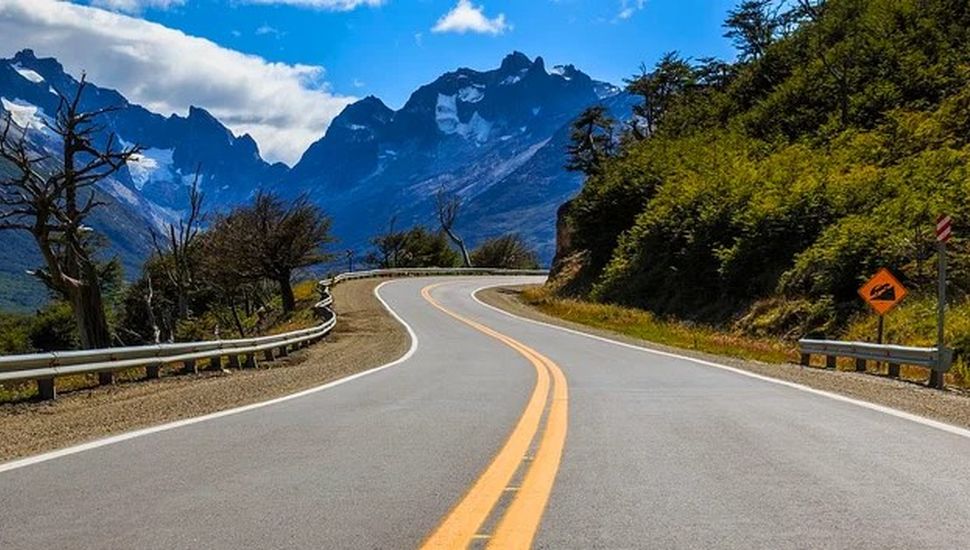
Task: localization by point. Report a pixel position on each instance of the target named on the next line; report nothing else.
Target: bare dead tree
(152, 321)
(449, 206)
(177, 254)
(51, 198)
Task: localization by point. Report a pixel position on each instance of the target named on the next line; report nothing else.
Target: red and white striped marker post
(944, 228)
(944, 231)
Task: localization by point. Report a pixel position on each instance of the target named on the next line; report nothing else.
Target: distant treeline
(764, 191)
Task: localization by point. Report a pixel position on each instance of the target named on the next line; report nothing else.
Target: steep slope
(495, 135)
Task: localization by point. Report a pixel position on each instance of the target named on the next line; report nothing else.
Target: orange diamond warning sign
(883, 292)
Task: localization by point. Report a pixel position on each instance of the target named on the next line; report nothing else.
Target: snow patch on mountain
(119, 191)
(151, 165)
(503, 169)
(560, 70)
(477, 129)
(471, 94)
(29, 74)
(446, 117)
(606, 91)
(25, 115)
(446, 114)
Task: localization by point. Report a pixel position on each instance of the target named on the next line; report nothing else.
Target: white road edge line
(29, 461)
(949, 428)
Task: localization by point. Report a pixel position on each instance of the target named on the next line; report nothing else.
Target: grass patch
(645, 326)
(307, 296)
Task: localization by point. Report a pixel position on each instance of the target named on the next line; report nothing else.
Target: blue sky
(281, 70)
(391, 49)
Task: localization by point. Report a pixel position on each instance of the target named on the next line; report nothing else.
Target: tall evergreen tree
(671, 77)
(592, 140)
(752, 26)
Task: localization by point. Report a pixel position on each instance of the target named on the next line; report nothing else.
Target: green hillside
(771, 187)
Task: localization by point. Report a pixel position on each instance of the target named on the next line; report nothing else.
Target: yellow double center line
(518, 526)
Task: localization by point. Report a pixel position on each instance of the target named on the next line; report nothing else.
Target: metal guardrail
(429, 271)
(44, 368)
(862, 352)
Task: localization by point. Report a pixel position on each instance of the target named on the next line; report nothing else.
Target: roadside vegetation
(913, 321)
(755, 196)
(637, 323)
(423, 247)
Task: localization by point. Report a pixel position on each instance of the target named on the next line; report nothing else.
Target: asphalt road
(647, 451)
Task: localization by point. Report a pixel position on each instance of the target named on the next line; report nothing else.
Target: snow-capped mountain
(174, 146)
(496, 138)
(145, 195)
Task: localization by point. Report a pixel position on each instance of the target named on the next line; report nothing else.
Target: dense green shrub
(506, 252)
(817, 163)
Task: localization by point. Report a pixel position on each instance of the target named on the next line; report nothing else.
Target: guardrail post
(106, 378)
(45, 388)
(806, 359)
(283, 352)
(830, 362)
(151, 371)
(233, 361)
(215, 363)
(894, 370)
(860, 365)
(268, 355)
(250, 361)
(190, 367)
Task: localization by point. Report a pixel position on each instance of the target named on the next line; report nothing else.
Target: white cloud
(628, 8)
(333, 5)
(264, 30)
(467, 17)
(284, 107)
(136, 6)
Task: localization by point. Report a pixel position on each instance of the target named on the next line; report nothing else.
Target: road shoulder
(951, 407)
(366, 337)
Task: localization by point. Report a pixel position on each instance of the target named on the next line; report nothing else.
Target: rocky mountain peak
(515, 62)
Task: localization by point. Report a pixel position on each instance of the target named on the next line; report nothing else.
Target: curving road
(499, 432)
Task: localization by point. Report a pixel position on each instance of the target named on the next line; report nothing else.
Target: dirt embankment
(366, 337)
(951, 406)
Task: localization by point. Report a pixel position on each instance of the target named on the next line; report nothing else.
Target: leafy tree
(591, 140)
(53, 328)
(752, 27)
(52, 198)
(415, 247)
(671, 77)
(507, 252)
(282, 238)
(13, 334)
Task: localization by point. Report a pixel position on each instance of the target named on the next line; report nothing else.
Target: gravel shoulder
(950, 406)
(366, 336)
